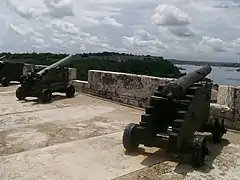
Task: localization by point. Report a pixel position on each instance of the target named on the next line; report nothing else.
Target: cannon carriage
(53, 78)
(177, 111)
(10, 71)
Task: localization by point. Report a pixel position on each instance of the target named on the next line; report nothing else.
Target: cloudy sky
(183, 29)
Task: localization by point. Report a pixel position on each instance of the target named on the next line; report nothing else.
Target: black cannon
(53, 78)
(10, 71)
(176, 113)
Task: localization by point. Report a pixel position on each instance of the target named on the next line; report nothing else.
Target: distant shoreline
(201, 63)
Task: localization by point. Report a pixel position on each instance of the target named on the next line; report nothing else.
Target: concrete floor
(80, 138)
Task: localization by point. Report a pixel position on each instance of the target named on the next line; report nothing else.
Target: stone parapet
(126, 88)
(229, 95)
(224, 112)
(81, 86)
(72, 74)
(136, 90)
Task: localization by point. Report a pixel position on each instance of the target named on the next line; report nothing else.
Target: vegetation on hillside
(108, 61)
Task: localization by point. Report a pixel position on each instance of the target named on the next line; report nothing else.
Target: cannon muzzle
(2, 57)
(178, 87)
(56, 64)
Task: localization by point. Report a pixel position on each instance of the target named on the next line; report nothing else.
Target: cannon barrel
(2, 57)
(178, 87)
(56, 64)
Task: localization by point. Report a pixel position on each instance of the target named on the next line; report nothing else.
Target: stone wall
(81, 86)
(228, 101)
(127, 88)
(136, 90)
(122, 87)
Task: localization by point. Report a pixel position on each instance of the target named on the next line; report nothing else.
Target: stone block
(225, 95)
(27, 68)
(81, 86)
(72, 73)
(123, 87)
(229, 96)
(230, 116)
(218, 110)
(214, 95)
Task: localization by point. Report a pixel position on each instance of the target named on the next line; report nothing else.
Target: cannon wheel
(45, 96)
(5, 82)
(20, 93)
(128, 140)
(199, 151)
(70, 91)
(218, 131)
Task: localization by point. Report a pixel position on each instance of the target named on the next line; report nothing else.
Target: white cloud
(170, 15)
(183, 29)
(53, 8)
(89, 22)
(38, 40)
(218, 45)
(58, 41)
(21, 10)
(59, 8)
(82, 47)
(111, 21)
(37, 34)
(144, 42)
(21, 30)
(65, 27)
(227, 4)
(213, 44)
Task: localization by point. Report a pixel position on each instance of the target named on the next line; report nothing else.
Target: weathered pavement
(80, 138)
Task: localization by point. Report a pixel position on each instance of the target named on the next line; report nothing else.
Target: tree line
(107, 61)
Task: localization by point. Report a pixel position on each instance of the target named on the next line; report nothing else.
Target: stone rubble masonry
(229, 96)
(81, 86)
(136, 90)
(122, 87)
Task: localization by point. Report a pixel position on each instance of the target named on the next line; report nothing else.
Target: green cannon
(177, 114)
(41, 84)
(10, 71)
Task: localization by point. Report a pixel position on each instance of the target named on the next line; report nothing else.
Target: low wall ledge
(129, 74)
(80, 81)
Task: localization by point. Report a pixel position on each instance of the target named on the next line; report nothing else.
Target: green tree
(107, 61)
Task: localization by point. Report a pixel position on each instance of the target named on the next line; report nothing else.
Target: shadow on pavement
(37, 101)
(183, 160)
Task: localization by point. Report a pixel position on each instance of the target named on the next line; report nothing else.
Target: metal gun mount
(53, 78)
(177, 111)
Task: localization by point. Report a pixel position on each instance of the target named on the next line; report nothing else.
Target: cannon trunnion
(177, 113)
(53, 78)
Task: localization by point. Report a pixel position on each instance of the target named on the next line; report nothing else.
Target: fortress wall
(126, 88)
(81, 86)
(229, 98)
(136, 90)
